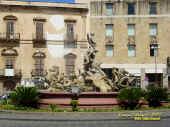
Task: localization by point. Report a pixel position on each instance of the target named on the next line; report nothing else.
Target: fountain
(91, 77)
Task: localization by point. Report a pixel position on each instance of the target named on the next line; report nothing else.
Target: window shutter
(39, 63)
(39, 30)
(70, 63)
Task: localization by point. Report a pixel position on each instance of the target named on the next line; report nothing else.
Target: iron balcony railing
(10, 72)
(39, 72)
(10, 37)
(39, 38)
(70, 37)
(70, 40)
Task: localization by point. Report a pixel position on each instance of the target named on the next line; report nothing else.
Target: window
(70, 63)
(39, 57)
(70, 37)
(109, 50)
(153, 29)
(70, 28)
(131, 29)
(10, 30)
(109, 9)
(39, 30)
(39, 63)
(153, 8)
(131, 50)
(9, 62)
(131, 8)
(153, 50)
(109, 30)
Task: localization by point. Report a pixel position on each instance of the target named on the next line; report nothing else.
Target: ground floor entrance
(155, 79)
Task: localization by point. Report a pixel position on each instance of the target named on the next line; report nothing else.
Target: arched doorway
(9, 85)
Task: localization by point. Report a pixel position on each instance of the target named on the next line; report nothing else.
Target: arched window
(39, 63)
(10, 55)
(70, 63)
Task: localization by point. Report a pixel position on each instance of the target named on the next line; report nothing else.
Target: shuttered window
(39, 63)
(70, 31)
(39, 30)
(10, 30)
(70, 64)
(70, 43)
(10, 27)
(9, 63)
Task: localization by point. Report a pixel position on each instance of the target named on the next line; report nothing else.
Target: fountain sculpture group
(92, 77)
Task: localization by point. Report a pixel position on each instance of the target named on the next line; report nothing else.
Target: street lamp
(155, 47)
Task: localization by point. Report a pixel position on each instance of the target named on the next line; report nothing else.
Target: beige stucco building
(35, 36)
(134, 35)
(130, 34)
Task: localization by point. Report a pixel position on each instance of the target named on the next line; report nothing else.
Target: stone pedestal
(165, 78)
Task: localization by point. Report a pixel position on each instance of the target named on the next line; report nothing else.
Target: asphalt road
(112, 123)
(77, 120)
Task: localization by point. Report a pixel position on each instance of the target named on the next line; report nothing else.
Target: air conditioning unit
(9, 72)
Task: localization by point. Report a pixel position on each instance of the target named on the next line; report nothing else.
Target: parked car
(5, 97)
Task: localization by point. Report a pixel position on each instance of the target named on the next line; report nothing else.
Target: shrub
(53, 107)
(154, 96)
(74, 104)
(6, 102)
(25, 96)
(129, 98)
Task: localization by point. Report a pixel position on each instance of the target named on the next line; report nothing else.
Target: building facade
(130, 34)
(35, 36)
(134, 35)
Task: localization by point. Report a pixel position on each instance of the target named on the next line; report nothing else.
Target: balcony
(153, 40)
(10, 37)
(70, 40)
(131, 40)
(39, 72)
(7, 73)
(109, 40)
(39, 38)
